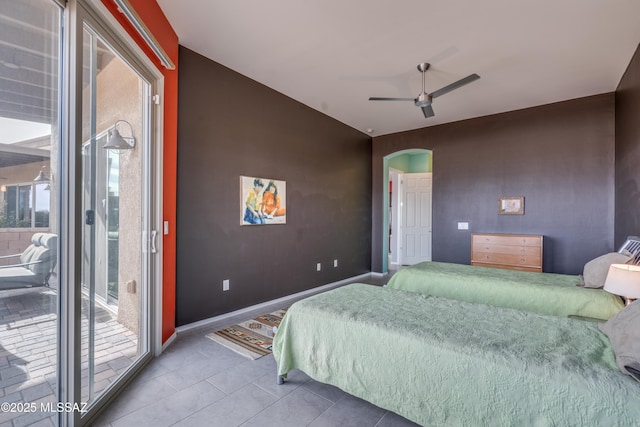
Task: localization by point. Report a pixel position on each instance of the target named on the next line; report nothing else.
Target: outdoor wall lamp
(41, 176)
(115, 141)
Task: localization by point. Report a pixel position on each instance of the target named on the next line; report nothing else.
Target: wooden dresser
(508, 251)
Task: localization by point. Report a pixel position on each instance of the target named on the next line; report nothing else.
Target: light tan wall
(118, 98)
(13, 242)
(22, 174)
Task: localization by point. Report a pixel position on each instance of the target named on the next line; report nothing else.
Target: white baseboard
(281, 301)
(376, 274)
(168, 342)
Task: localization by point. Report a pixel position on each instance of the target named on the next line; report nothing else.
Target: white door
(416, 218)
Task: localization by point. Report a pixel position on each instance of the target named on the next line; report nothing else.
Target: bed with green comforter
(546, 293)
(438, 361)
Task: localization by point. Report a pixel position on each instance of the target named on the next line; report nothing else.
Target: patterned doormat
(252, 338)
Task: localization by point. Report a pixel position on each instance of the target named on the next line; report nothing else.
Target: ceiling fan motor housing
(423, 100)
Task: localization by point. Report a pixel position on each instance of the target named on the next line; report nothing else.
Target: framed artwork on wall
(262, 201)
(511, 205)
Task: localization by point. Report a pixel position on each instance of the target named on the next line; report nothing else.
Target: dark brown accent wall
(230, 125)
(627, 219)
(560, 157)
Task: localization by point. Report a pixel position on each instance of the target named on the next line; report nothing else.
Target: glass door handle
(154, 234)
(90, 217)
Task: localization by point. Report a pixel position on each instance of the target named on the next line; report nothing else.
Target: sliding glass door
(117, 241)
(79, 181)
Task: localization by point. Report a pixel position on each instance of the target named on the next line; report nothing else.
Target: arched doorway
(396, 165)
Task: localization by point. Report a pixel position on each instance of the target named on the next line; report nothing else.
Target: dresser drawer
(504, 249)
(497, 258)
(508, 239)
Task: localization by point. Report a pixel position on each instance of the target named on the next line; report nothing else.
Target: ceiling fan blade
(455, 85)
(373, 98)
(427, 111)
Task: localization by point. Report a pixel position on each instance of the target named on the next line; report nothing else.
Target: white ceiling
(332, 55)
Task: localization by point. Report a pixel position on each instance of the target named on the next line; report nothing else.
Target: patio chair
(36, 264)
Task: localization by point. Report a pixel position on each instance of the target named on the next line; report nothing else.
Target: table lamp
(624, 280)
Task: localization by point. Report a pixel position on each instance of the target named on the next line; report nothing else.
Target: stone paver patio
(28, 351)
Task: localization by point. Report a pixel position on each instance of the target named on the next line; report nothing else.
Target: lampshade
(115, 141)
(623, 280)
(41, 176)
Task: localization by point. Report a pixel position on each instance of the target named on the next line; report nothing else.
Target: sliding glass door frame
(72, 221)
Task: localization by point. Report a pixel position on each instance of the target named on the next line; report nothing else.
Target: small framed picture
(511, 205)
(262, 201)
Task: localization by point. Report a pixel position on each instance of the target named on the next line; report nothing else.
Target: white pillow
(595, 271)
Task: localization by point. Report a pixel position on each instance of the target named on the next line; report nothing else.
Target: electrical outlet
(318, 267)
(463, 226)
(225, 285)
(335, 262)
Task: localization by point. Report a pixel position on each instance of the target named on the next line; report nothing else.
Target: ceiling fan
(425, 99)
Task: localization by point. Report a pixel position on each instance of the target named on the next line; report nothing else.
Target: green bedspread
(441, 362)
(546, 293)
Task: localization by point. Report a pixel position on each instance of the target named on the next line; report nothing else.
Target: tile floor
(28, 352)
(198, 382)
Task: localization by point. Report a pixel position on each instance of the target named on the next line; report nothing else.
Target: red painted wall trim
(159, 26)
